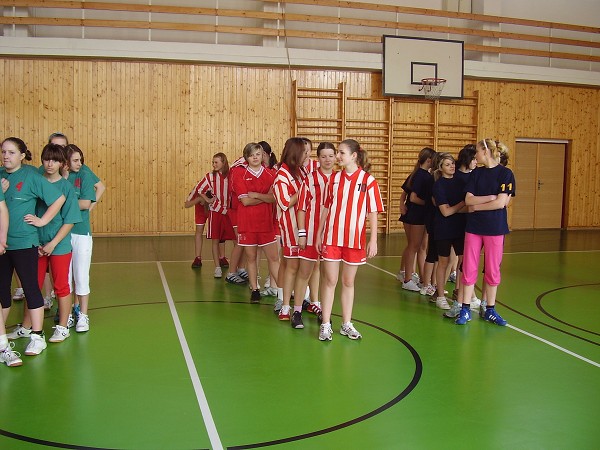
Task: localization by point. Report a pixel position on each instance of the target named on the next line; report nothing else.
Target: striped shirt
(284, 187)
(310, 200)
(219, 187)
(350, 199)
(311, 165)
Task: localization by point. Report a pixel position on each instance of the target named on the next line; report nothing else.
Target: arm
(100, 188)
(3, 226)
(414, 198)
(63, 231)
(319, 237)
(448, 210)
(52, 210)
(264, 198)
(372, 244)
(193, 202)
(301, 219)
(403, 209)
(499, 202)
(84, 204)
(471, 199)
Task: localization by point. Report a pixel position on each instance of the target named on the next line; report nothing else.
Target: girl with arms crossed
(352, 196)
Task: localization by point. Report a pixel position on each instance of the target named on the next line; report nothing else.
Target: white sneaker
(218, 272)
(415, 277)
(400, 276)
(267, 281)
(19, 294)
(428, 290)
(452, 277)
(10, 357)
(71, 321)
(60, 334)
(269, 292)
(83, 324)
(36, 345)
(442, 303)
(348, 329)
(48, 302)
(53, 294)
(325, 332)
(19, 332)
(475, 304)
(410, 285)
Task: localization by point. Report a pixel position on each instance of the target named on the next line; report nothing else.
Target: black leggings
(25, 263)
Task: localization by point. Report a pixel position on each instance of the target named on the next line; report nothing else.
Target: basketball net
(432, 87)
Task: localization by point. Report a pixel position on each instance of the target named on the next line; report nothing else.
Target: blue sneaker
(464, 316)
(492, 316)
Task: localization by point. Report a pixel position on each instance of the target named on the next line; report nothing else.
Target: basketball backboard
(407, 60)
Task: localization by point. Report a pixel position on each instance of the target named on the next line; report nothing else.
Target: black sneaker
(297, 320)
(255, 296)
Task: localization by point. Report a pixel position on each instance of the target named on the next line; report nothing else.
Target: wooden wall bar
(149, 129)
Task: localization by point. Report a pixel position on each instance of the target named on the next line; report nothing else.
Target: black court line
(547, 324)
(407, 390)
(538, 302)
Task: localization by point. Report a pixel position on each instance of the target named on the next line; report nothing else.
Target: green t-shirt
(26, 187)
(83, 186)
(69, 213)
(86, 170)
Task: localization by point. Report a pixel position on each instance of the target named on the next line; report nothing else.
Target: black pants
(25, 263)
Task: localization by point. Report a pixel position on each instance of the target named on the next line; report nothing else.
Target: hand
(471, 208)
(403, 209)
(371, 249)
(34, 220)
(47, 249)
(2, 248)
(5, 185)
(302, 242)
(253, 195)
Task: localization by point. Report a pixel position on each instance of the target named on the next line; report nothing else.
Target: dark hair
(466, 155)
(57, 134)
(225, 169)
(272, 160)
(362, 159)
(266, 147)
(251, 148)
(307, 141)
(425, 154)
(20, 145)
(54, 152)
(324, 145)
(293, 156)
(72, 148)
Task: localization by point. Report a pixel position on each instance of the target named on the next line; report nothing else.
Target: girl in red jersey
(200, 217)
(219, 225)
(352, 196)
(310, 201)
(254, 188)
(286, 187)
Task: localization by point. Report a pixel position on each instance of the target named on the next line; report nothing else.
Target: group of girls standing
(44, 225)
(469, 214)
(315, 217)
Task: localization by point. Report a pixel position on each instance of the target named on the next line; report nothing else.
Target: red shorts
(354, 256)
(253, 239)
(232, 214)
(290, 252)
(309, 253)
(201, 214)
(60, 267)
(219, 227)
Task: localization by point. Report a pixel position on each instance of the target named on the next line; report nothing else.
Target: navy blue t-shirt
(448, 191)
(490, 181)
(421, 184)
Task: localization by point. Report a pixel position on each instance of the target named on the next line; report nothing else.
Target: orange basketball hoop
(432, 87)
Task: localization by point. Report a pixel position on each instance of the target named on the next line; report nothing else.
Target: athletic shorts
(309, 253)
(219, 227)
(201, 214)
(445, 245)
(253, 239)
(353, 256)
(290, 252)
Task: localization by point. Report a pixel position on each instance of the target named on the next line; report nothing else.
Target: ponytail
(425, 154)
(362, 158)
(20, 145)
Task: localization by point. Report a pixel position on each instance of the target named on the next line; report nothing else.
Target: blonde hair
(439, 161)
(498, 150)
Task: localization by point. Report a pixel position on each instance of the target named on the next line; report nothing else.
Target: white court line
(200, 396)
(551, 344)
(558, 347)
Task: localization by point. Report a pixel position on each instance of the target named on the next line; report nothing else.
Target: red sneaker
(223, 262)
(197, 263)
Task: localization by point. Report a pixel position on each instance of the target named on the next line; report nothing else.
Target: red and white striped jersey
(219, 186)
(195, 192)
(310, 200)
(241, 161)
(350, 198)
(284, 187)
(311, 165)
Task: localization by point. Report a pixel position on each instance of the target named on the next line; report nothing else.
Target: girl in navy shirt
(418, 192)
(488, 192)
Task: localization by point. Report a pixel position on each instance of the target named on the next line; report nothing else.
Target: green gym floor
(176, 359)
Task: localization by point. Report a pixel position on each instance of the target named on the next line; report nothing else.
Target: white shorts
(81, 262)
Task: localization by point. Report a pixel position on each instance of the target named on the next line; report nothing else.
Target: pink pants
(493, 246)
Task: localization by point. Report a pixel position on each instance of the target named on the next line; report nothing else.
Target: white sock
(307, 294)
(280, 293)
(3, 342)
